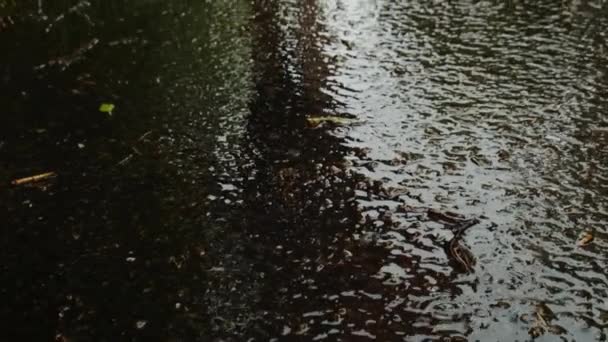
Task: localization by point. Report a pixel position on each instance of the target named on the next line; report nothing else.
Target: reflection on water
(206, 207)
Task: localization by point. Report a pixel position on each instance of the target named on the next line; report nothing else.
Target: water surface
(207, 206)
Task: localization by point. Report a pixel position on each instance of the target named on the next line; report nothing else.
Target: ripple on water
(485, 107)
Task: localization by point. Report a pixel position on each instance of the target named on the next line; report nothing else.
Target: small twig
(136, 150)
(125, 160)
(65, 62)
(459, 227)
(447, 217)
(74, 9)
(144, 136)
(32, 179)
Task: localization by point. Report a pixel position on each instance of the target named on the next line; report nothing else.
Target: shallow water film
(282, 170)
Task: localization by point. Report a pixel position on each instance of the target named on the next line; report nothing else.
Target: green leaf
(106, 108)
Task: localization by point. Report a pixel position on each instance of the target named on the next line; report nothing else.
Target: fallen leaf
(584, 239)
(106, 108)
(317, 120)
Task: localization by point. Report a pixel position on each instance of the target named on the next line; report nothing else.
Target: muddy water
(207, 206)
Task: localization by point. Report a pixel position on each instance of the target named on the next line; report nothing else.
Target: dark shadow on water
(119, 244)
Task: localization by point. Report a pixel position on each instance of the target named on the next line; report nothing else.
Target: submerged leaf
(584, 239)
(106, 108)
(317, 120)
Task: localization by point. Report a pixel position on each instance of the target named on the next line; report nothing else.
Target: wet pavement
(209, 205)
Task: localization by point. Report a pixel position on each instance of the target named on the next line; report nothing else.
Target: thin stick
(32, 179)
(144, 136)
(125, 160)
